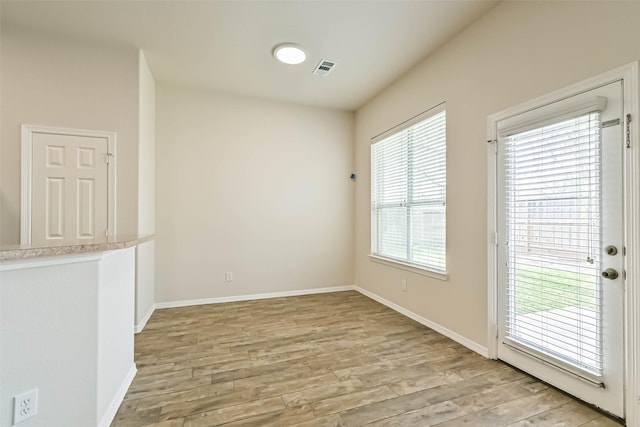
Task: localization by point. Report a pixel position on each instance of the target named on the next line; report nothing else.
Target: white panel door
(561, 238)
(69, 188)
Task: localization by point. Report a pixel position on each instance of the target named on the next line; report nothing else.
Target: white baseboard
(482, 350)
(140, 326)
(236, 298)
(471, 345)
(112, 409)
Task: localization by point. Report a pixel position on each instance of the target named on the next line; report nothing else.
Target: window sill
(410, 267)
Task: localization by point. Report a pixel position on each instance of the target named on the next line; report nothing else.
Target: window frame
(405, 263)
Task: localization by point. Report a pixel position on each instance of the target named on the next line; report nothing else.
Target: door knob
(610, 274)
(611, 250)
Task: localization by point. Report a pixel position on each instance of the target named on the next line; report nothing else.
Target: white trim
(629, 74)
(551, 114)
(26, 186)
(236, 298)
(140, 326)
(632, 267)
(410, 122)
(492, 249)
(409, 267)
(426, 322)
(471, 345)
(558, 95)
(27, 173)
(113, 407)
(48, 261)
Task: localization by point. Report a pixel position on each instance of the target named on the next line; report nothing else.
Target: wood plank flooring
(338, 359)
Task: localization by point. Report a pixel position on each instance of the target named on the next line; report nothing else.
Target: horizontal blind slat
(409, 193)
(552, 212)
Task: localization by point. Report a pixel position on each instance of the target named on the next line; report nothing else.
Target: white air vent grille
(324, 67)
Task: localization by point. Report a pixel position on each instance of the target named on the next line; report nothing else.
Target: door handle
(610, 274)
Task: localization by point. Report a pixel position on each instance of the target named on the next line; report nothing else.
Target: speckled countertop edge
(16, 252)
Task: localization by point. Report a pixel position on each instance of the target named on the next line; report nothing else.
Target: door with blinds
(561, 244)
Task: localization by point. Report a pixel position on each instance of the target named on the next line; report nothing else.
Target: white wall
(66, 330)
(49, 340)
(145, 259)
(518, 51)
(146, 147)
(56, 81)
(115, 366)
(257, 188)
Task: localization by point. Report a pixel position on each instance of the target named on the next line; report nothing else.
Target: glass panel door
(560, 215)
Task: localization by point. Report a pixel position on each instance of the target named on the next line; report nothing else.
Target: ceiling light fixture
(289, 53)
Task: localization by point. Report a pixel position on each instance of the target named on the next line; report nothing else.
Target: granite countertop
(15, 252)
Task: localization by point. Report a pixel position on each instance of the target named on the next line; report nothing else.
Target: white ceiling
(226, 45)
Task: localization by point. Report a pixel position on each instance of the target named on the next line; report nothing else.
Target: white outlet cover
(25, 406)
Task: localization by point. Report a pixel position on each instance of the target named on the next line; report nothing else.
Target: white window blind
(408, 192)
(553, 229)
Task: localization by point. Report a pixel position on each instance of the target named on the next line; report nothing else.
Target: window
(408, 192)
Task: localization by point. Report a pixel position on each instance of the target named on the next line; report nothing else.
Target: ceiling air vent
(324, 67)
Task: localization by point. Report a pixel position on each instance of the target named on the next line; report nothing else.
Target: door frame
(631, 211)
(28, 131)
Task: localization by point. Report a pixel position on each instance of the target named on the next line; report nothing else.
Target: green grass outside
(545, 289)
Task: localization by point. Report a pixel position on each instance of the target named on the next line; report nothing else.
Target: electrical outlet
(404, 285)
(229, 276)
(25, 406)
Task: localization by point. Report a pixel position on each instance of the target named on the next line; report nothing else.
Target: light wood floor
(336, 359)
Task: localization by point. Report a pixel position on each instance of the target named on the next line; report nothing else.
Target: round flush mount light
(289, 53)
